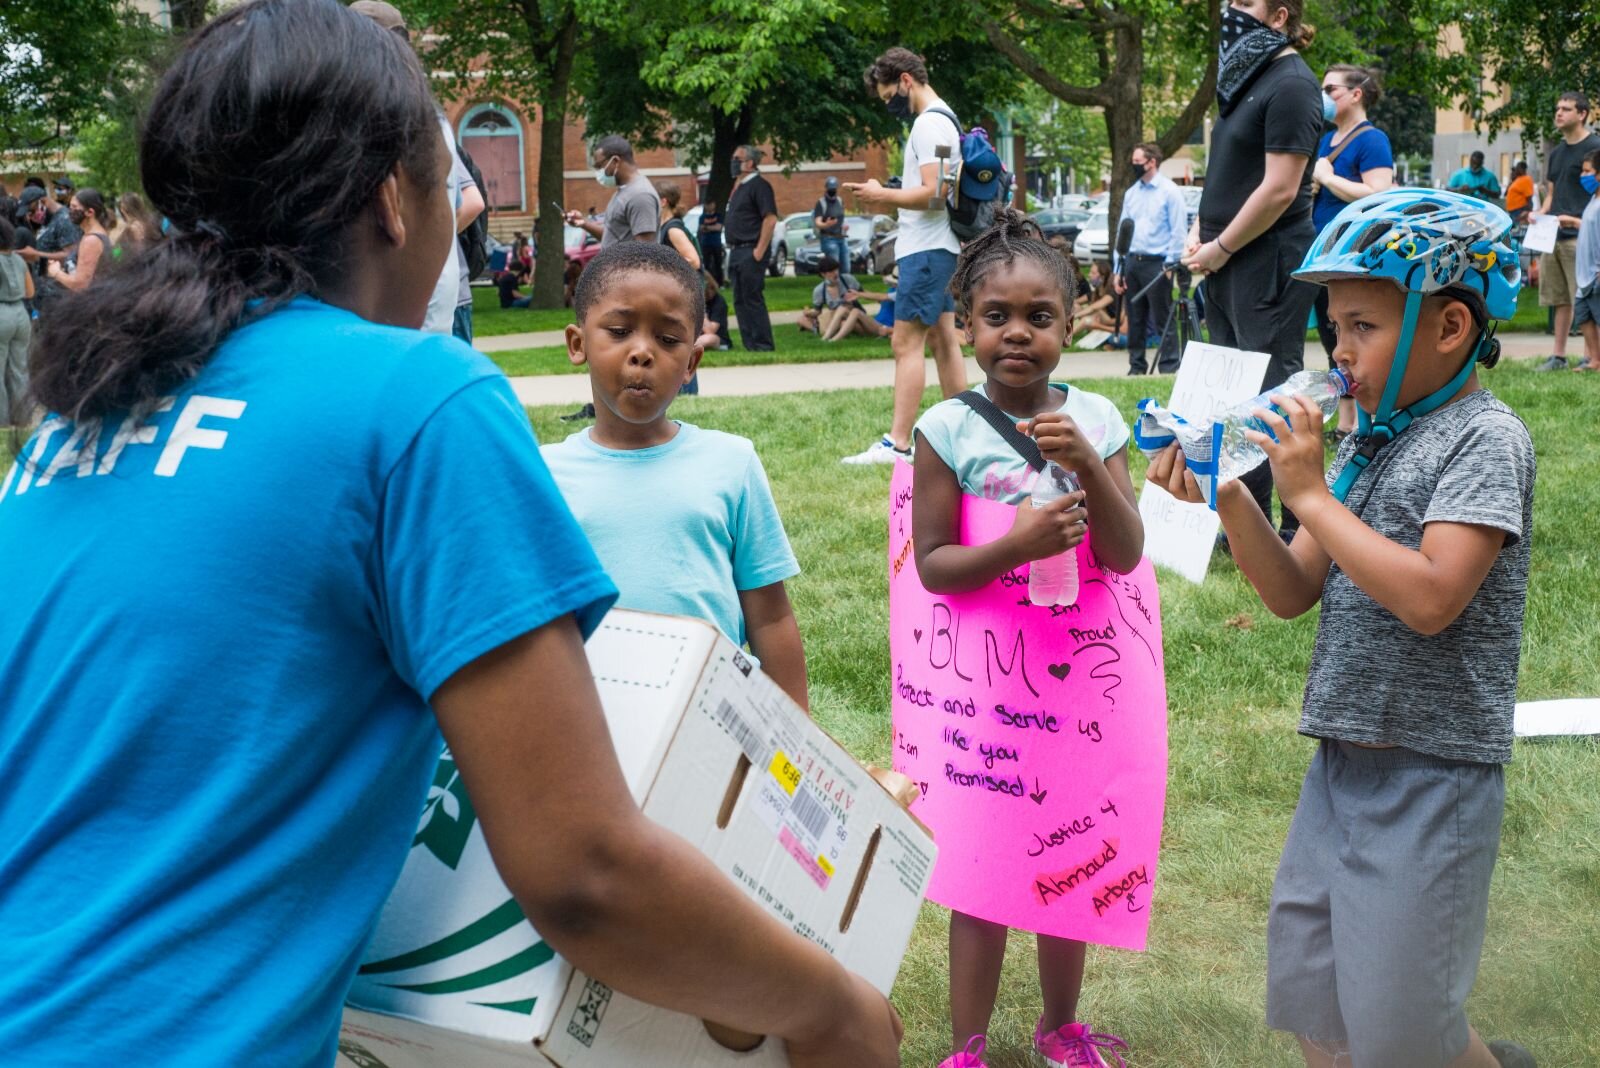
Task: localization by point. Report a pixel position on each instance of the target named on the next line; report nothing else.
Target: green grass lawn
(1235, 676)
(491, 320)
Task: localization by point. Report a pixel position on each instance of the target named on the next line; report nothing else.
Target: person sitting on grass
(829, 298)
(509, 282)
(639, 309)
(1416, 543)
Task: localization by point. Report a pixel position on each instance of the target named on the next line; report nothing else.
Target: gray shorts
(1379, 907)
(1586, 306)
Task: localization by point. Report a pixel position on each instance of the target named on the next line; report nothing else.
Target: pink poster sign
(1036, 736)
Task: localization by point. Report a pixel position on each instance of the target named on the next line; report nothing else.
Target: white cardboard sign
(1210, 380)
(1542, 234)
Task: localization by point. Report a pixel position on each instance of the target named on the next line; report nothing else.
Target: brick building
(503, 140)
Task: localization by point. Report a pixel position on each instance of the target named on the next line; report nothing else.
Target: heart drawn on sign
(1061, 671)
(916, 633)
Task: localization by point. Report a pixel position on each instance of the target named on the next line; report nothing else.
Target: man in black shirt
(1254, 224)
(1564, 195)
(752, 216)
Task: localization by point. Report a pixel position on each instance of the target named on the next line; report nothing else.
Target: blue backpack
(983, 186)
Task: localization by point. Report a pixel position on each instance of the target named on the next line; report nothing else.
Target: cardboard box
(715, 752)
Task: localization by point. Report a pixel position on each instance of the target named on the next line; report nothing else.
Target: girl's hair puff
(1012, 236)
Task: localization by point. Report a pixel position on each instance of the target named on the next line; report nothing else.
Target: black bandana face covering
(1248, 45)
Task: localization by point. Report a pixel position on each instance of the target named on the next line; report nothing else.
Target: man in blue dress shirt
(1160, 219)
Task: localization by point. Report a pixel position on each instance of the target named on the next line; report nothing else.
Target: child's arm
(775, 639)
(946, 566)
(1287, 578)
(1426, 588)
(1118, 528)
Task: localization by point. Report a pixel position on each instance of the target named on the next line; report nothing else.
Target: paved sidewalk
(750, 381)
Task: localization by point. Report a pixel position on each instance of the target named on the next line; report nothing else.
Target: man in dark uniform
(752, 216)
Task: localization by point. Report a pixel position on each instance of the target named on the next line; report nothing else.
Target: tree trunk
(1124, 111)
(550, 267)
(187, 15)
(728, 132)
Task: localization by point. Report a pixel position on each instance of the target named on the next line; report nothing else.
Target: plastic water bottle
(1053, 580)
(1237, 455)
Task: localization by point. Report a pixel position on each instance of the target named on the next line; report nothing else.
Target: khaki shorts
(1558, 274)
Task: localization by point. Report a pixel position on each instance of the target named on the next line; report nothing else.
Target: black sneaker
(1554, 363)
(1511, 1055)
(586, 412)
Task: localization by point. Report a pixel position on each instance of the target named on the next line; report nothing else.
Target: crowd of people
(299, 439)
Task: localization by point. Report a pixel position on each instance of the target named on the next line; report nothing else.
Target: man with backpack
(827, 219)
(925, 249)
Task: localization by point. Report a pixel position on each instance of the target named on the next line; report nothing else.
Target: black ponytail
(1012, 235)
(266, 139)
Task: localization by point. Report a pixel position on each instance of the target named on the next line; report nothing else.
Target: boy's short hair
(1576, 98)
(626, 257)
(887, 68)
(1593, 159)
(826, 264)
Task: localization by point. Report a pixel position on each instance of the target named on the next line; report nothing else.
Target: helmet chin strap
(1377, 430)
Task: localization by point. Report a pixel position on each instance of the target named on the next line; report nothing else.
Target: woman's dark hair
(266, 139)
(1013, 236)
(91, 200)
(671, 195)
(1366, 79)
(8, 230)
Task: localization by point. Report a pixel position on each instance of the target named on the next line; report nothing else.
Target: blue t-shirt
(220, 630)
(682, 527)
(1369, 151)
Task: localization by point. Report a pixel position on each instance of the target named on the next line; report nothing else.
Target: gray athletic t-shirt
(635, 209)
(1375, 680)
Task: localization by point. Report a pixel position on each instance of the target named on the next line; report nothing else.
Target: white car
(1094, 241)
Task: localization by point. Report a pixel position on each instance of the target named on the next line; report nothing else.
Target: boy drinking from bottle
(1416, 543)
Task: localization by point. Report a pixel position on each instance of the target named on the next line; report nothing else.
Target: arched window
(492, 135)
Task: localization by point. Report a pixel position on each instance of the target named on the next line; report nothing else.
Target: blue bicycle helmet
(1425, 241)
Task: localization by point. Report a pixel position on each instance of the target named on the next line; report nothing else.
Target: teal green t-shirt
(682, 527)
(985, 463)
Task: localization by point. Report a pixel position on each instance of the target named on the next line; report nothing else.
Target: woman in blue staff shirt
(1354, 160)
(270, 543)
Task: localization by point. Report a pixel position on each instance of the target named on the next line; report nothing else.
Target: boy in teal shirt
(682, 518)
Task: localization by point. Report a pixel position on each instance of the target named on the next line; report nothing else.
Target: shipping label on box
(715, 752)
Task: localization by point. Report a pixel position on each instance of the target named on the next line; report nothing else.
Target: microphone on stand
(1124, 238)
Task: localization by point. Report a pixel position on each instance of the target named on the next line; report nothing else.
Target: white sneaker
(881, 451)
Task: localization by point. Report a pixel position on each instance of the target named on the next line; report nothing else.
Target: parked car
(1093, 242)
(783, 243)
(1061, 223)
(1083, 202)
(870, 239)
(581, 245)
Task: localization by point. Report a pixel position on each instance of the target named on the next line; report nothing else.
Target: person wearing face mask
(1159, 217)
(87, 211)
(55, 237)
(827, 218)
(925, 248)
(1254, 224)
(634, 213)
(752, 218)
(1354, 160)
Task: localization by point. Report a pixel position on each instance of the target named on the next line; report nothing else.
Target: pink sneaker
(971, 1057)
(1077, 1046)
